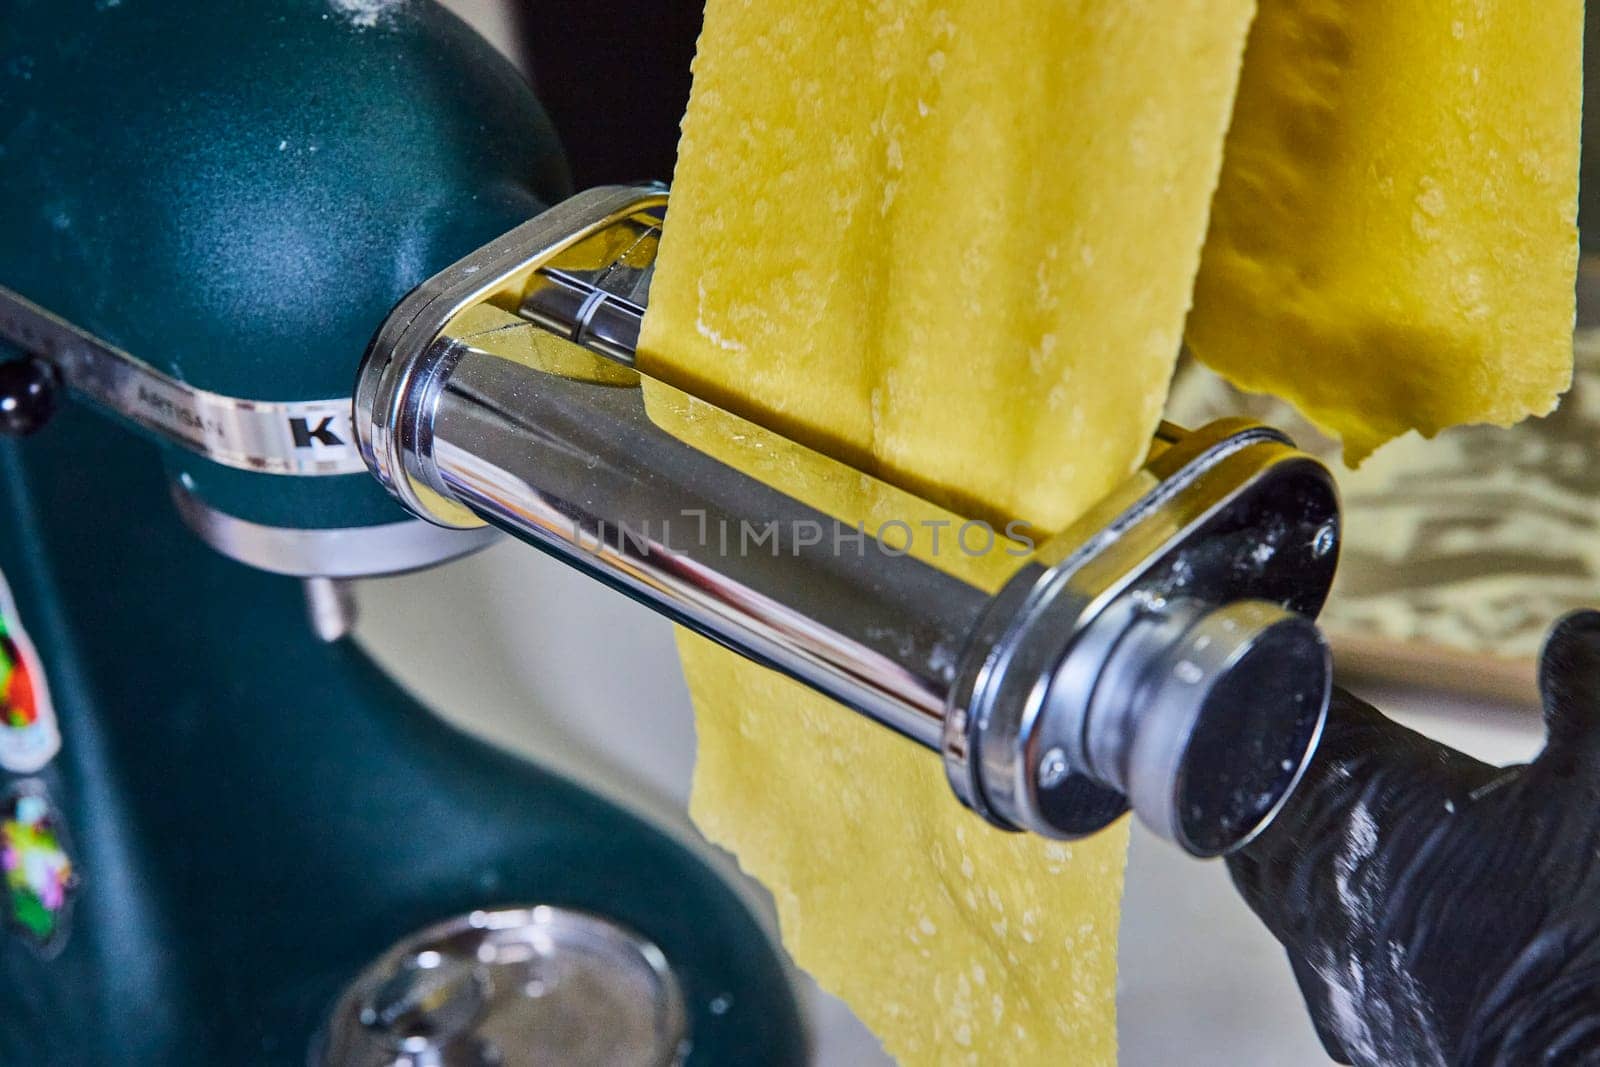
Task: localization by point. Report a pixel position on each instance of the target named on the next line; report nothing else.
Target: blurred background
(528, 654)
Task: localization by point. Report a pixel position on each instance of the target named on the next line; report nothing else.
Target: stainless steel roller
(1160, 653)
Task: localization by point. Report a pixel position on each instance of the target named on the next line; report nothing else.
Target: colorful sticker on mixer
(40, 879)
(28, 735)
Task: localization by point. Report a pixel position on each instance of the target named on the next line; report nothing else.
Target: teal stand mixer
(295, 293)
(240, 817)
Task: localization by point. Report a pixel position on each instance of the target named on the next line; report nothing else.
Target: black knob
(29, 392)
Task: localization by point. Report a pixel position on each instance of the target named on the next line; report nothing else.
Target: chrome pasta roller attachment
(1159, 654)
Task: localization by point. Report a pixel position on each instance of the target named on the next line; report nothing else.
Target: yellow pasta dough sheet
(901, 232)
(1394, 239)
(951, 243)
(954, 245)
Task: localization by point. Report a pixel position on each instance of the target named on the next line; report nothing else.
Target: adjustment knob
(1205, 717)
(30, 390)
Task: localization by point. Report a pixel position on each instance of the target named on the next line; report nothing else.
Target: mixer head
(200, 237)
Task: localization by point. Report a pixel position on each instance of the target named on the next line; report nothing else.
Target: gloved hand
(1437, 909)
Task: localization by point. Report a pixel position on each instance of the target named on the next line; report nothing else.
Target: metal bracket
(305, 438)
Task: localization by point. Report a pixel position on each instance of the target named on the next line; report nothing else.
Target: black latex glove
(1441, 910)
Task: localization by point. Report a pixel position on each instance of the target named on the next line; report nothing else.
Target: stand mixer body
(253, 815)
(256, 814)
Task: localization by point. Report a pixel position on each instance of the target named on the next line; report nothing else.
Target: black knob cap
(29, 392)
(1204, 716)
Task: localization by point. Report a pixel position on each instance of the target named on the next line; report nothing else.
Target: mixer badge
(40, 877)
(29, 738)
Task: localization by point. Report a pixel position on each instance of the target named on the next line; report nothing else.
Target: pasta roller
(1160, 654)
